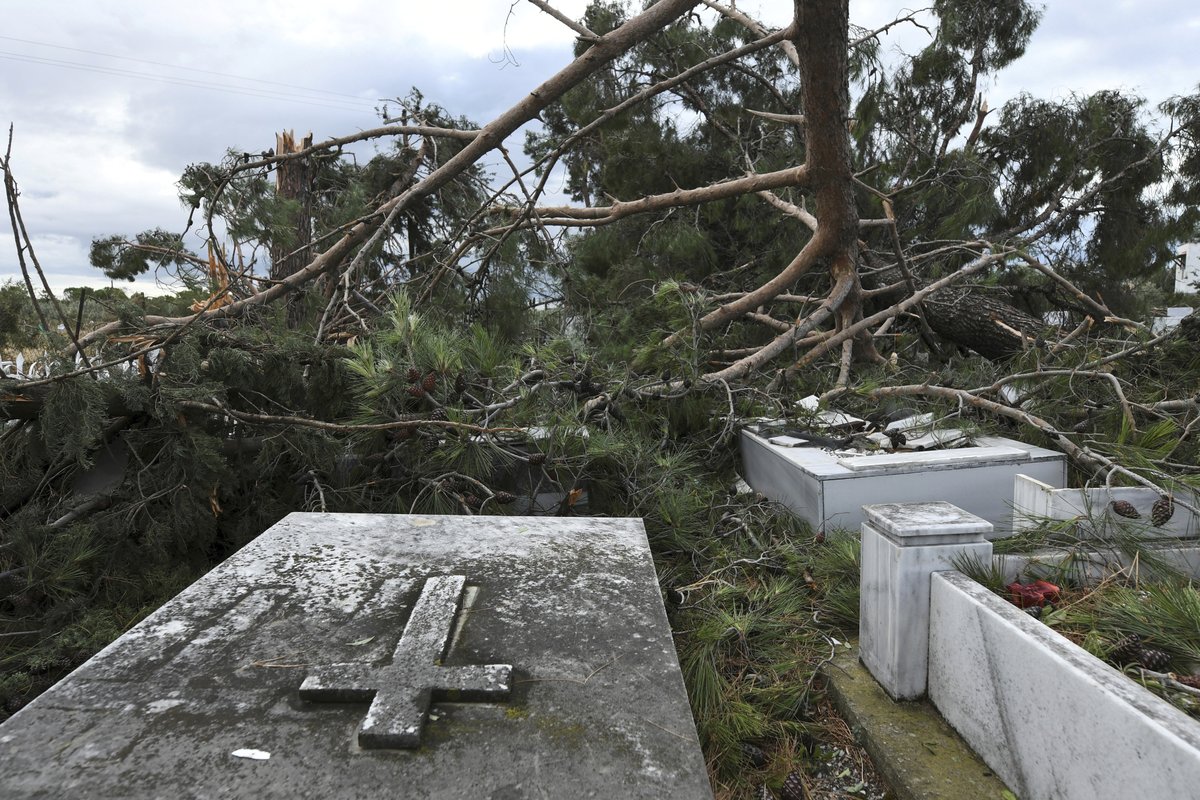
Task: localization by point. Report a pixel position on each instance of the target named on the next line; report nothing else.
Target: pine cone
(416, 391)
(1162, 511)
(754, 754)
(1153, 659)
(1125, 509)
(504, 498)
(536, 459)
(1125, 649)
(429, 383)
(460, 383)
(414, 374)
(439, 414)
(1189, 680)
(429, 445)
(793, 787)
(472, 500)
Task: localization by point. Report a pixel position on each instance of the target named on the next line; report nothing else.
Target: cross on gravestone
(400, 692)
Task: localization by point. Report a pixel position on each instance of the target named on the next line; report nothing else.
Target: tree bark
(968, 316)
(293, 180)
(822, 36)
(981, 322)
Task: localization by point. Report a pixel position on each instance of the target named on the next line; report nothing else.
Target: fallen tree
(808, 225)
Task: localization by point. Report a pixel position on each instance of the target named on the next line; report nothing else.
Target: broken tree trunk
(293, 179)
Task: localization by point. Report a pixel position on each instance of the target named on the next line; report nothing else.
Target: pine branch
(305, 422)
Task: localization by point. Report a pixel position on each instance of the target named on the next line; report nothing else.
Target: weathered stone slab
(348, 656)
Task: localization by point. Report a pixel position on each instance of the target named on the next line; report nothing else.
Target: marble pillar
(902, 545)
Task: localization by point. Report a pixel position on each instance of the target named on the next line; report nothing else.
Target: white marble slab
(1054, 722)
(929, 458)
(829, 495)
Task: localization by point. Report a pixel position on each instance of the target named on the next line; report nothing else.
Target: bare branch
(584, 34)
(1097, 309)
(965, 271)
(603, 215)
(780, 343)
(793, 119)
(754, 26)
(335, 427)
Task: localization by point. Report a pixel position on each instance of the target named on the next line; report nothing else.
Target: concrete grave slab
(354, 656)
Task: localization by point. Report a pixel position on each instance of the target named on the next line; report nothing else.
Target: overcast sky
(111, 100)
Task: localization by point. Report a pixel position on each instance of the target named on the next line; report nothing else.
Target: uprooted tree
(751, 213)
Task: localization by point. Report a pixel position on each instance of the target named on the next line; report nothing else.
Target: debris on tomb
(847, 435)
(1029, 595)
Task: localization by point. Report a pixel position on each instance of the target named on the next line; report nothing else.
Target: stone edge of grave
(918, 755)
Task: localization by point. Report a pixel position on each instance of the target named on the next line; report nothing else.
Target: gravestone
(354, 656)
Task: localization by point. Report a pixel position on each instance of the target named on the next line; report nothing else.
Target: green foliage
(178, 490)
(122, 259)
(17, 318)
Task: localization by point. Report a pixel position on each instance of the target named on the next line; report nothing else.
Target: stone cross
(400, 692)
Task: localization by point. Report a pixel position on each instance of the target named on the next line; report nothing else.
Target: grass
(752, 630)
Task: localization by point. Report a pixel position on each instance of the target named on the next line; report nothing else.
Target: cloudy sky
(111, 99)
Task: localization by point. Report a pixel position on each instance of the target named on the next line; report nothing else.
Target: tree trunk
(981, 322)
(823, 30)
(292, 182)
(967, 316)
